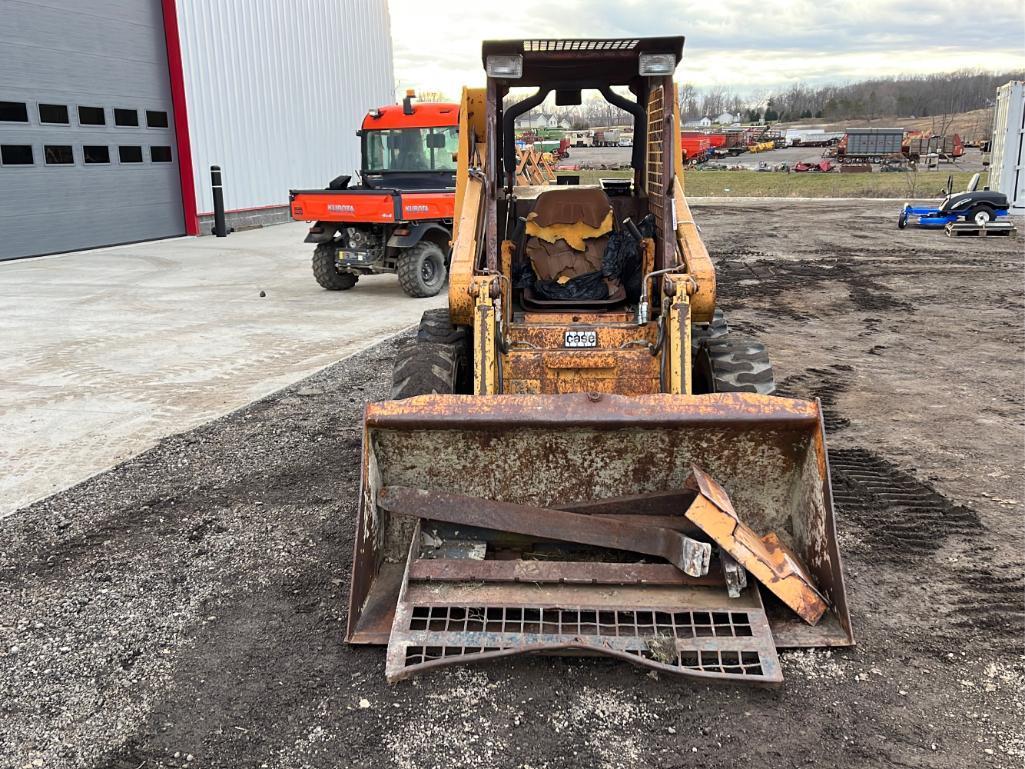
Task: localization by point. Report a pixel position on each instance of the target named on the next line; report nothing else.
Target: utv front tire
(325, 269)
(733, 365)
(422, 270)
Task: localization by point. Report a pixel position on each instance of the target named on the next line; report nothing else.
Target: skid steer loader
(578, 457)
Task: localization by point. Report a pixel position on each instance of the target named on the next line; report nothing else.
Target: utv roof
(611, 60)
(425, 115)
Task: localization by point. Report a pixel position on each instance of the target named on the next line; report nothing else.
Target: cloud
(747, 45)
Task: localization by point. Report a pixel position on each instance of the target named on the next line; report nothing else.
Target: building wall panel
(105, 53)
(275, 91)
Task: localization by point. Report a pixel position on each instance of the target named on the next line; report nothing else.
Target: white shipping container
(812, 136)
(1006, 172)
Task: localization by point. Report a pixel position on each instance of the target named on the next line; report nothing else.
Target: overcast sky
(753, 46)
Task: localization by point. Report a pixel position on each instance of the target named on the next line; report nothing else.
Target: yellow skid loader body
(613, 428)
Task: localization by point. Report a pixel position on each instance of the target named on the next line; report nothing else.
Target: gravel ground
(598, 157)
(186, 608)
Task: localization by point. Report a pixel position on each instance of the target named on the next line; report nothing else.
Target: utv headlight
(508, 67)
(656, 64)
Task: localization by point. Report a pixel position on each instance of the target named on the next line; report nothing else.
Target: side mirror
(436, 141)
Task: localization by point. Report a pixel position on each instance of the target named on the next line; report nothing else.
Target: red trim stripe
(181, 116)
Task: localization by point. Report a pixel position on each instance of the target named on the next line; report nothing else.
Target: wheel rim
(982, 217)
(428, 271)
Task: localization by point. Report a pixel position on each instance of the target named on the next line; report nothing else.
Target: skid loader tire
(733, 365)
(422, 269)
(716, 329)
(436, 326)
(425, 368)
(325, 270)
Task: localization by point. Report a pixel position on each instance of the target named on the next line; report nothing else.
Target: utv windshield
(411, 149)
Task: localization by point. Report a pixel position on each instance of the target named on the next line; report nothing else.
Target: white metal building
(1007, 158)
(112, 111)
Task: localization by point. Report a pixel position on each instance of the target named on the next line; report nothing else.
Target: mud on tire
(422, 270)
(733, 364)
(325, 269)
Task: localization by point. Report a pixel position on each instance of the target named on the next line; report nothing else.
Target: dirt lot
(186, 608)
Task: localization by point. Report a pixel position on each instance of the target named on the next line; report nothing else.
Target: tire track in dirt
(906, 522)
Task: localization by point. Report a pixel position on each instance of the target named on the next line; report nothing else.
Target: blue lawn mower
(975, 206)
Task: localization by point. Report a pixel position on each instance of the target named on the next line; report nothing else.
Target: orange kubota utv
(398, 217)
(579, 456)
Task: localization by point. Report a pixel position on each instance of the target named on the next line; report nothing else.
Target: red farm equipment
(920, 144)
(696, 146)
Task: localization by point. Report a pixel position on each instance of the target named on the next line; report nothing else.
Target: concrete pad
(105, 352)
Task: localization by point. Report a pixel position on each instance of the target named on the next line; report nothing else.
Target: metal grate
(728, 644)
(464, 610)
(655, 183)
(534, 620)
(579, 45)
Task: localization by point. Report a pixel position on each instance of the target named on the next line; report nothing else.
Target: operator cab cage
(568, 67)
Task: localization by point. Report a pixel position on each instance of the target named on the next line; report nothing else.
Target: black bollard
(220, 228)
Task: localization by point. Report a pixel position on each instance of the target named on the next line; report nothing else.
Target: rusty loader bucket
(584, 523)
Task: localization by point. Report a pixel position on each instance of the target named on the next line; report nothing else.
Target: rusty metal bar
(598, 410)
(674, 522)
(688, 555)
(770, 561)
(567, 572)
(662, 503)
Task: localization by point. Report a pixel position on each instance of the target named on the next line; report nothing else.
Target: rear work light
(655, 64)
(509, 67)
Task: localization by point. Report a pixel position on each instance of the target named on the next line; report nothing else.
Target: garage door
(87, 147)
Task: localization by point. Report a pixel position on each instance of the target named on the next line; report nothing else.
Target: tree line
(919, 96)
(898, 96)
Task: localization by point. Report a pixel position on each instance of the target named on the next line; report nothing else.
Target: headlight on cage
(657, 64)
(508, 67)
